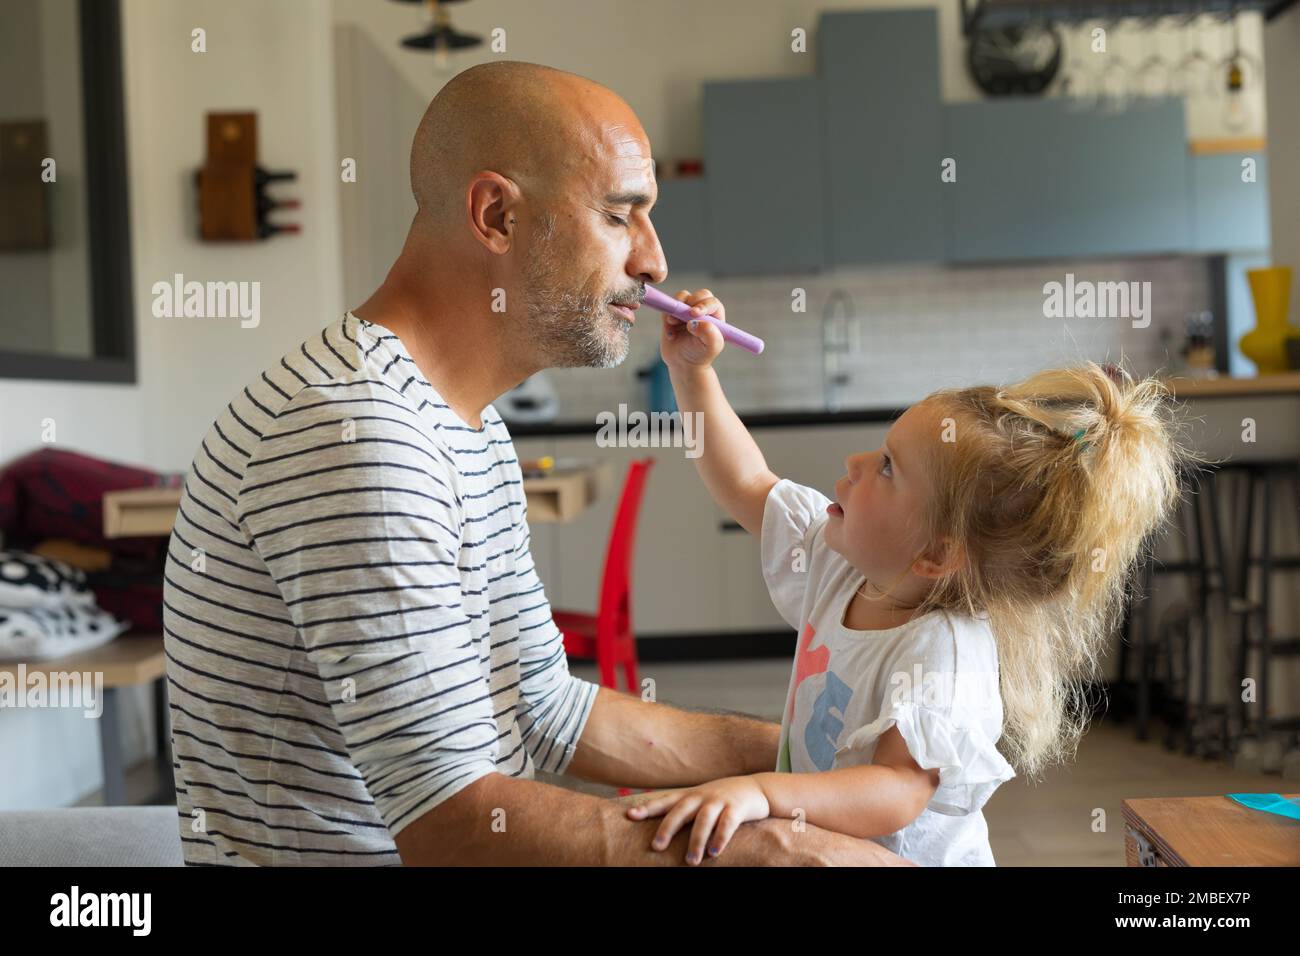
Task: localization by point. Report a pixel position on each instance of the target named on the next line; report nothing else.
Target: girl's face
(875, 522)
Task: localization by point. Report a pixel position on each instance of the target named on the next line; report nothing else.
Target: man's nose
(647, 261)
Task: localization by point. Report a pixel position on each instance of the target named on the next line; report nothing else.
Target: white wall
(272, 56)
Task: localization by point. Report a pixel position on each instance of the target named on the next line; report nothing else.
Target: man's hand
(549, 826)
(718, 809)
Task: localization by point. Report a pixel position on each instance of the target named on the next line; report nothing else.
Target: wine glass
(1078, 84)
(1192, 74)
(1154, 73)
(1113, 83)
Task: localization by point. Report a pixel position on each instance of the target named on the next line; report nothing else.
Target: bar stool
(1187, 708)
(1258, 643)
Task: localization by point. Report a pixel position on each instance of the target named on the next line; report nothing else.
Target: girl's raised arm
(730, 463)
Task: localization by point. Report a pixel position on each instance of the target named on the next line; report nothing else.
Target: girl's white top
(935, 678)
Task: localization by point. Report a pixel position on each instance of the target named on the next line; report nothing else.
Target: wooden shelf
(565, 493)
(1240, 144)
(1283, 383)
(559, 497)
(125, 661)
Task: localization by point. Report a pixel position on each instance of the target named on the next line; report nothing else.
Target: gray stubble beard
(568, 329)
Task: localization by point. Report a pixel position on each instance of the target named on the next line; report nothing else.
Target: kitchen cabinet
(763, 167)
(882, 123)
(678, 553)
(812, 456)
(1044, 178)
(679, 217)
(692, 573)
(844, 168)
(1228, 215)
(678, 549)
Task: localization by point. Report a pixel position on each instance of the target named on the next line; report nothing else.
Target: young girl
(957, 590)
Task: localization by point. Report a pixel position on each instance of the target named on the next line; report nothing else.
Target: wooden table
(1207, 831)
(561, 496)
(125, 661)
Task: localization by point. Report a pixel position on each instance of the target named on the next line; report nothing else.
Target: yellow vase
(1265, 345)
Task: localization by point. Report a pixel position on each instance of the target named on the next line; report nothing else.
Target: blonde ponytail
(1052, 488)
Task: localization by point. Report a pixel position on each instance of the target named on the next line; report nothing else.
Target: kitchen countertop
(1285, 383)
(781, 419)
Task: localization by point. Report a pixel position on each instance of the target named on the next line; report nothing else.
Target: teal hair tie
(1078, 436)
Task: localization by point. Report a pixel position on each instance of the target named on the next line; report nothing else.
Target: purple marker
(666, 303)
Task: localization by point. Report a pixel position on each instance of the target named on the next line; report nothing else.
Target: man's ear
(490, 204)
(944, 558)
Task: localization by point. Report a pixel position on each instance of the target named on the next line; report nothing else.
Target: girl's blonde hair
(1052, 489)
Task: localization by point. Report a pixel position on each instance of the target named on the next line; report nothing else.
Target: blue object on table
(1269, 803)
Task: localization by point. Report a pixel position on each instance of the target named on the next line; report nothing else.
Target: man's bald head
(534, 189)
(532, 123)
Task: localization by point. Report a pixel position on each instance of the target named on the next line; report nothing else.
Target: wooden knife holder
(227, 182)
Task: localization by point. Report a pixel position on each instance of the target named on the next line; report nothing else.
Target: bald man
(362, 662)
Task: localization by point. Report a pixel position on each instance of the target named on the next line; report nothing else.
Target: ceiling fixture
(441, 37)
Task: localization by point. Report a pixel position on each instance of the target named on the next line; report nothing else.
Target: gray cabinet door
(1228, 214)
(1044, 178)
(883, 126)
(679, 218)
(763, 166)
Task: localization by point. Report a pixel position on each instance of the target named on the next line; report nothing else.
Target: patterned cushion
(43, 633)
(46, 610)
(32, 581)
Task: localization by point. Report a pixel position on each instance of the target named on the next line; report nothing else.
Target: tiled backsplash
(920, 328)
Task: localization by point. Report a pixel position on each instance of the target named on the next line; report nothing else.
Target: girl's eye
(621, 222)
(885, 467)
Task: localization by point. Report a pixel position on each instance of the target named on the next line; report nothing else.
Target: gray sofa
(91, 836)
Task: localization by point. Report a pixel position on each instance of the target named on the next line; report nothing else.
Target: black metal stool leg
(1198, 702)
(1264, 617)
(1242, 598)
(1122, 668)
(1225, 592)
(1145, 643)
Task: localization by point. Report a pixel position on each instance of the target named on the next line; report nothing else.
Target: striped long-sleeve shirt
(354, 627)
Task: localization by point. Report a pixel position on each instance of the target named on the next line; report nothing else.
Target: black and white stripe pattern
(354, 627)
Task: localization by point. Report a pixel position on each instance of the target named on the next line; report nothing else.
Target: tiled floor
(1048, 823)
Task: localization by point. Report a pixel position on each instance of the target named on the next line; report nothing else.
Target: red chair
(606, 636)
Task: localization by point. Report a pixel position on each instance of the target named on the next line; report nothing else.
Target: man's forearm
(628, 742)
(504, 821)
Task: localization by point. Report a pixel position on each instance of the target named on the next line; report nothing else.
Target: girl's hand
(718, 808)
(682, 346)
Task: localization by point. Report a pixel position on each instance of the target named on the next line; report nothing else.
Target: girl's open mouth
(834, 510)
